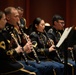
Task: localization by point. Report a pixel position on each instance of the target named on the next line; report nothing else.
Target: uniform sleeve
(4, 52)
(11, 52)
(34, 38)
(51, 35)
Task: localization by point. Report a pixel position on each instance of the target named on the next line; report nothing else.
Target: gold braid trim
(23, 70)
(72, 67)
(33, 73)
(2, 45)
(10, 72)
(70, 64)
(34, 44)
(8, 41)
(72, 70)
(54, 71)
(10, 52)
(13, 71)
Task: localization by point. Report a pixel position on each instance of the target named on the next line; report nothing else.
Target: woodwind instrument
(71, 51)
(51, 42)
(74, 52)
(34, 52)
(23, 53)
(72, 55)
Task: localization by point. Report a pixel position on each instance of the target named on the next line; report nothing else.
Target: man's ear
(55, 22)
(7, 17)
(36, 25)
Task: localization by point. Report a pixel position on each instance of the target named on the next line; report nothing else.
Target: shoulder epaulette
(33, 33)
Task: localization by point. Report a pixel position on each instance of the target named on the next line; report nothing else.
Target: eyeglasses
(62, 22)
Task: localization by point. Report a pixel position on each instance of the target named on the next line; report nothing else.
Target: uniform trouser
(46, 67)
(71, 67)
(59, 67)
(30, 68)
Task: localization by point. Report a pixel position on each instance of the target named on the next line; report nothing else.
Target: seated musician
(12, 27)
(55, 33)
(8, 64)
(56, 30)
(22, 19)
(42, 47)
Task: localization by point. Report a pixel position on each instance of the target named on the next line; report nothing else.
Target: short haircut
(20, 8)
(56, 18)
(8, 10)
(1, 14)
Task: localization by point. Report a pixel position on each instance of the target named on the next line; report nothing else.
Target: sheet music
(64, 36)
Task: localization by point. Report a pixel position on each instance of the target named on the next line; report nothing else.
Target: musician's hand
(19, 49)
(27, 37)
(70, 48)
(28, 47)
(52, 48)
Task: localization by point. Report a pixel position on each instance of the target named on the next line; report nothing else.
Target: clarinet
(34, 52)
(52, 43)
(24, 56)
(72, 53)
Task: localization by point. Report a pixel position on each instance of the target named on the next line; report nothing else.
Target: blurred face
(13, 18)
(41, 26)
(20, 13)
(59, 25)
(2, 21)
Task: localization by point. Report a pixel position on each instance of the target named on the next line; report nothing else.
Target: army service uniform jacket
(41, 45)
(7, 62)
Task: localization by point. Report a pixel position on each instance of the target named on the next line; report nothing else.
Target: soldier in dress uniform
(22, 19)
(8, 64)
(55, 33)
(12, 26)
(57, 28)
(42, 46)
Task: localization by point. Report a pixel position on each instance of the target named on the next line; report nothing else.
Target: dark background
(44, 9)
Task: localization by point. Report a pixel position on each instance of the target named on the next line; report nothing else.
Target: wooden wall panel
(3, 4)
(73, 12)
(46, 9)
